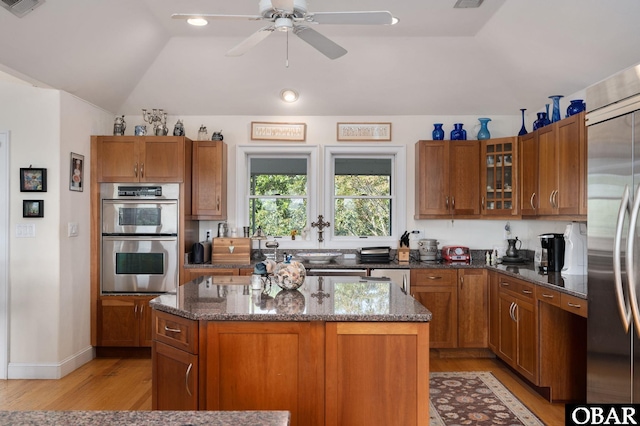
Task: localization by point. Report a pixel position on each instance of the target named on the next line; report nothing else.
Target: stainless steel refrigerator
(613, 344)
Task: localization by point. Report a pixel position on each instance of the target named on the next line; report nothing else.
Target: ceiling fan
(292, 16)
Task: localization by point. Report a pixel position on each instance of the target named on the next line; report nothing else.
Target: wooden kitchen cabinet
(473, 308)
(209, 181)
(140, 158)
(447, 179)
(498, 171)
(493, 281)
(193, 273)
(436, 289)
(517, 316)
(174, 363)
(561, 166)
(125, 321)
(528, 197)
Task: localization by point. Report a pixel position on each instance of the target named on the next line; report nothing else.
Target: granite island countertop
(146, 418)
(320, 298)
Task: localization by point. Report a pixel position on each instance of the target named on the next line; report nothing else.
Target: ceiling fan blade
(352, 18)
(286, 5)
(250, 41)
(186, 16)
(325, 46)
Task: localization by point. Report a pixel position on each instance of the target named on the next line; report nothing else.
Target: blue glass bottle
(438, 132)
(576, 106)
(555, 115)
(483, 133)
(458, 133)
(523, 130)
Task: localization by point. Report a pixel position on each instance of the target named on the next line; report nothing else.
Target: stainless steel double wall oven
(139, 238)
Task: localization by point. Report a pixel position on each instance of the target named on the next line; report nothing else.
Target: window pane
(362, 177)
(362, 217)
(278, 176)
(278, 216)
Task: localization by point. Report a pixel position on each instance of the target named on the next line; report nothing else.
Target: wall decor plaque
(364, 131)
(264, 131)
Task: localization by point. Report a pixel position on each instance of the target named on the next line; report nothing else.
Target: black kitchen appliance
(552, 252)
(201, 252)
(374, 254)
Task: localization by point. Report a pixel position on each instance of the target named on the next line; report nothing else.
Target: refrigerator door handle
(623, 306)
(631, 279)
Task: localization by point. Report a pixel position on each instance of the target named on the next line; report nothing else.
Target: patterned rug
(475, 397)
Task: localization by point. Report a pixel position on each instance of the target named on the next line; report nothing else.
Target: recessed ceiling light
(198, 22)
(289, 95)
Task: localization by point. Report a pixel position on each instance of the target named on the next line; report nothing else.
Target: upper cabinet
(560, 151)
(209, 180)
(140, 158)
(447, 179)
(498, 177)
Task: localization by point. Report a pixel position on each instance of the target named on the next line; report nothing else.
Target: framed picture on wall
(76, 172)
(32, 208)
(33, 180)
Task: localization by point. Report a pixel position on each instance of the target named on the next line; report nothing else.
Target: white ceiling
(125, 55)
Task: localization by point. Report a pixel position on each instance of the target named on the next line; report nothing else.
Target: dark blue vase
(541, 121)
(483, 133)
(458, 133)
(523, 130)
(575, 106)
(555, 115)
(438, 133)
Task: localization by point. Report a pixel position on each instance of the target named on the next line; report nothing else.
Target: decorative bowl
(320, 257)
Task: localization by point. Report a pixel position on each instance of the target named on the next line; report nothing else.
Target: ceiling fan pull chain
(287, 60)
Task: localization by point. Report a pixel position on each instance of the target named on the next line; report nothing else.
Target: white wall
(406, 130)
(48, 302)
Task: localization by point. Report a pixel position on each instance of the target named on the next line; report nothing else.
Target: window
(365, 193)
(278, 194)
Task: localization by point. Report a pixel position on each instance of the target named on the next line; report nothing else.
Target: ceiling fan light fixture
(289, 95)
(284, 24)
(197, 22)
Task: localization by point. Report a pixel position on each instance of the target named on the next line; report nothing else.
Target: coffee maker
(552, 252)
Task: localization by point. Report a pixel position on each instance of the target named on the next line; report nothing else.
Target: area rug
(475, 398)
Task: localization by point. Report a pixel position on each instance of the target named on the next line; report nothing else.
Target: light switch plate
(72, 229)
(26, 230)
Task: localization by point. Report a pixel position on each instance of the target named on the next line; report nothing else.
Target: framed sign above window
(261, 131)
(33, 180)
(364, 131)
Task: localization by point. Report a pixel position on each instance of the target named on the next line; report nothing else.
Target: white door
(4, 253)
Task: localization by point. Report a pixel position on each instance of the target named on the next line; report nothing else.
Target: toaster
(456, 254)
(201, 252)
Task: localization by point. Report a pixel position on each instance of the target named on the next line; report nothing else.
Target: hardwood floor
(125, 384)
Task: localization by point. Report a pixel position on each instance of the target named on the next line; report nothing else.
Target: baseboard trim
(19, 370)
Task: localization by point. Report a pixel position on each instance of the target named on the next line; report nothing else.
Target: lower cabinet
(125, 321)
(459, 303)
(193, 273)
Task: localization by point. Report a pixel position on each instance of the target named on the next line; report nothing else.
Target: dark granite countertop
(321, 298)
(575, 285)
(146, 418)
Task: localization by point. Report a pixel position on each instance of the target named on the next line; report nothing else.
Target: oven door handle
(139, 237)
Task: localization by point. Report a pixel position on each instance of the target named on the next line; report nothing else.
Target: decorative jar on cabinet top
(541, 121)
(575, 106)
(290, 274)
(458, 133)
(438, 132)
(483, 133)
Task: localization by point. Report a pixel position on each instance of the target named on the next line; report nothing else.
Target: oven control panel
(139, 191)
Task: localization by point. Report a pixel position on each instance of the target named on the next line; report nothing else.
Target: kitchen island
(337, 351)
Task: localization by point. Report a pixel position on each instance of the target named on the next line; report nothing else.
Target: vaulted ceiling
(125, 55)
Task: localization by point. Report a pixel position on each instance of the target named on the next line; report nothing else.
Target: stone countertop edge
(475, 264)
(146, 418)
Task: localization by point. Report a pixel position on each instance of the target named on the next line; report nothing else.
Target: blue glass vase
(541, 121)
(555, 115)
(438, 132)
(576, 106)
(458, 133)
(523, 130)
(483, 133)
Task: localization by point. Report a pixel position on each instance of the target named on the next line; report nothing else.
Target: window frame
(398, 192)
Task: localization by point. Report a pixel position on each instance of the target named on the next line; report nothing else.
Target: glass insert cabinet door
(497, 186)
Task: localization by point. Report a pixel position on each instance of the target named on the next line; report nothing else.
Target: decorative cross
(320, 224)
(320, 294)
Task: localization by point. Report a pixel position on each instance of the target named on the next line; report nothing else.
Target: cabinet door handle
(461, 282)
(186, 379)
(515, 312)
(142, 170)
(551, 198)
(548, 296)
(135, 170)
(503, 284)
(446, 203)
(453, 203)
(432, 277)
(573, 305)
(555, 199)
(172, 330)
(527, 291)
(482, 203)
(511, 308)
(533, 196)
(218, 203)
(141, 309)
